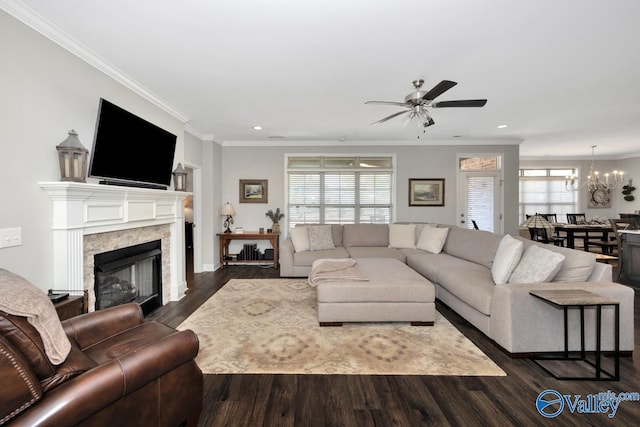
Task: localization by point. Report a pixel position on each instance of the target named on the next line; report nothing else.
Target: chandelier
(593, 182)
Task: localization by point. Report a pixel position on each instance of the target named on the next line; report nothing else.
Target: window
(339, 190)
(544, 191)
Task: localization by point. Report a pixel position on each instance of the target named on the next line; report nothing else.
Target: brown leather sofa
(121, 371)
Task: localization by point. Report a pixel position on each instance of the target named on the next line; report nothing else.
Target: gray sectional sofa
(462, 273)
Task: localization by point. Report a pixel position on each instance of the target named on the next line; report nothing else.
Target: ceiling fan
(416, 103)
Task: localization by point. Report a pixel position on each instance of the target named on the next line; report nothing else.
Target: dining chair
(552, 218)
(576, 218)
(614, 244)
(617, 225)
(540, 235)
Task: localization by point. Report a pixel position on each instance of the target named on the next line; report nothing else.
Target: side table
(578, 298)
(72, 306)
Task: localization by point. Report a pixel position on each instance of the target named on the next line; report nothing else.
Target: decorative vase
(276, 228)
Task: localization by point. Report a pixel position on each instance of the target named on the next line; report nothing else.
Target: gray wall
(251, 162)
(45, 91)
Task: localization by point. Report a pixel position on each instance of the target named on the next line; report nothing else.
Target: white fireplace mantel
(81, 209)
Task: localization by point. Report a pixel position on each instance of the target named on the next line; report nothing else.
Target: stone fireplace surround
(93, 218)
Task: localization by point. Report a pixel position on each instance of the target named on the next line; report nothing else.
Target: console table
(226, 238)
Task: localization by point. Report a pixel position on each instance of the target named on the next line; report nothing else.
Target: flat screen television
(128, 150)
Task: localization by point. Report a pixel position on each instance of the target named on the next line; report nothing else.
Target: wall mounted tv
(128, 150)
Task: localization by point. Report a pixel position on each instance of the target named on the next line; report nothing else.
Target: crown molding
(32, 19)
(339, 143)
(191, 129)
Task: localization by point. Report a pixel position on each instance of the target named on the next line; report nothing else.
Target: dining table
(593, 231)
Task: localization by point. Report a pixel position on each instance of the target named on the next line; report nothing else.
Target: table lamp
(227, 210)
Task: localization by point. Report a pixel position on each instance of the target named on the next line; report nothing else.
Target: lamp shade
(537, 221)
(227, 209)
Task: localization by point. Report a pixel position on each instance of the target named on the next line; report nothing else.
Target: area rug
(271, 326)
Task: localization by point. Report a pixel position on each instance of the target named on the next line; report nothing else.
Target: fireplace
(131, 274)
(89, 219)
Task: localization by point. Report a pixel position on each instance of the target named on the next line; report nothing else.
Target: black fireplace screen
(131, 274)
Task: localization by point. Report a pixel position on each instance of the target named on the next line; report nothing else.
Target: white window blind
(480, 201)
(344, 190)
(543, 191)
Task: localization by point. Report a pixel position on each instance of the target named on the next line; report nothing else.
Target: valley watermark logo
(551, 403)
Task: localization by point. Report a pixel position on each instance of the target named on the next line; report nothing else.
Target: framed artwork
(254, 191)
(426, 191)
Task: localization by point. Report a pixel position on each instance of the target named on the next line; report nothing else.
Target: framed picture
(426, 191)
(254, 191)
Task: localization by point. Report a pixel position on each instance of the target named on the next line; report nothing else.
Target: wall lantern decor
(73, 159)
(179, 178)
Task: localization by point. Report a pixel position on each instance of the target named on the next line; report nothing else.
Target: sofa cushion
(300, 238)
(470, 282)
(537, 265)
(402, 235)
(428, 264)
(365, 235)
(577, 265)
(506, 259)
(306, 258)
(376, 252)
(24, 337)
(336, 232)
(320, 237)
(473, 245)
(432, 239)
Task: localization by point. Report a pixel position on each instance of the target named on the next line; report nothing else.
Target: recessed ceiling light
(502, 126)
(257, 127)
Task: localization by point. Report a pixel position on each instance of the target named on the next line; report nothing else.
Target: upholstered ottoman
(393, 293)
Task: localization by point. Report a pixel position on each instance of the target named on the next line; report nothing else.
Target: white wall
(412, 162)
(46, 91)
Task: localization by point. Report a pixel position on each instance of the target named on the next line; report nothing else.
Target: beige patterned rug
(270, 326)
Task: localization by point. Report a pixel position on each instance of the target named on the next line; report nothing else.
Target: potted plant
(275, 217)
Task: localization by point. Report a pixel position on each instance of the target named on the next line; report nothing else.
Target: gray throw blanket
(341, 269)
(20, 298)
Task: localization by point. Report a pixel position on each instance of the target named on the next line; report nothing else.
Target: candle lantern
(73, 159)
(179, 178)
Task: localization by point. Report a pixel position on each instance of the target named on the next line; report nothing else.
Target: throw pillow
(320, 237)
(432, 239)
(402, 236)
(537, 265)
(300, 238)
(21, 298)
(506, 259)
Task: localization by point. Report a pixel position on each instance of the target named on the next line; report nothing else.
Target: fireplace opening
(131, 274)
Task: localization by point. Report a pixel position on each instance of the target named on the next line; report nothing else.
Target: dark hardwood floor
(380, 400)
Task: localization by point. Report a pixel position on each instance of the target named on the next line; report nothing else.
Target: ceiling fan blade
(429, 123)
(461, 103)
(439, 89)
(400, 104)
(389, 117)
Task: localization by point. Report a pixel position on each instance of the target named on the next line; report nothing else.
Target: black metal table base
(599, 371)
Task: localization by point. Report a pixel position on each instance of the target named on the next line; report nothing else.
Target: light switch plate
(10, 237)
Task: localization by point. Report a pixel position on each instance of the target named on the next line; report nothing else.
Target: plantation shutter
(340, 190)
(480, 205)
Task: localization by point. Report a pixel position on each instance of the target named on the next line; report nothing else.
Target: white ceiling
(562, 74)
